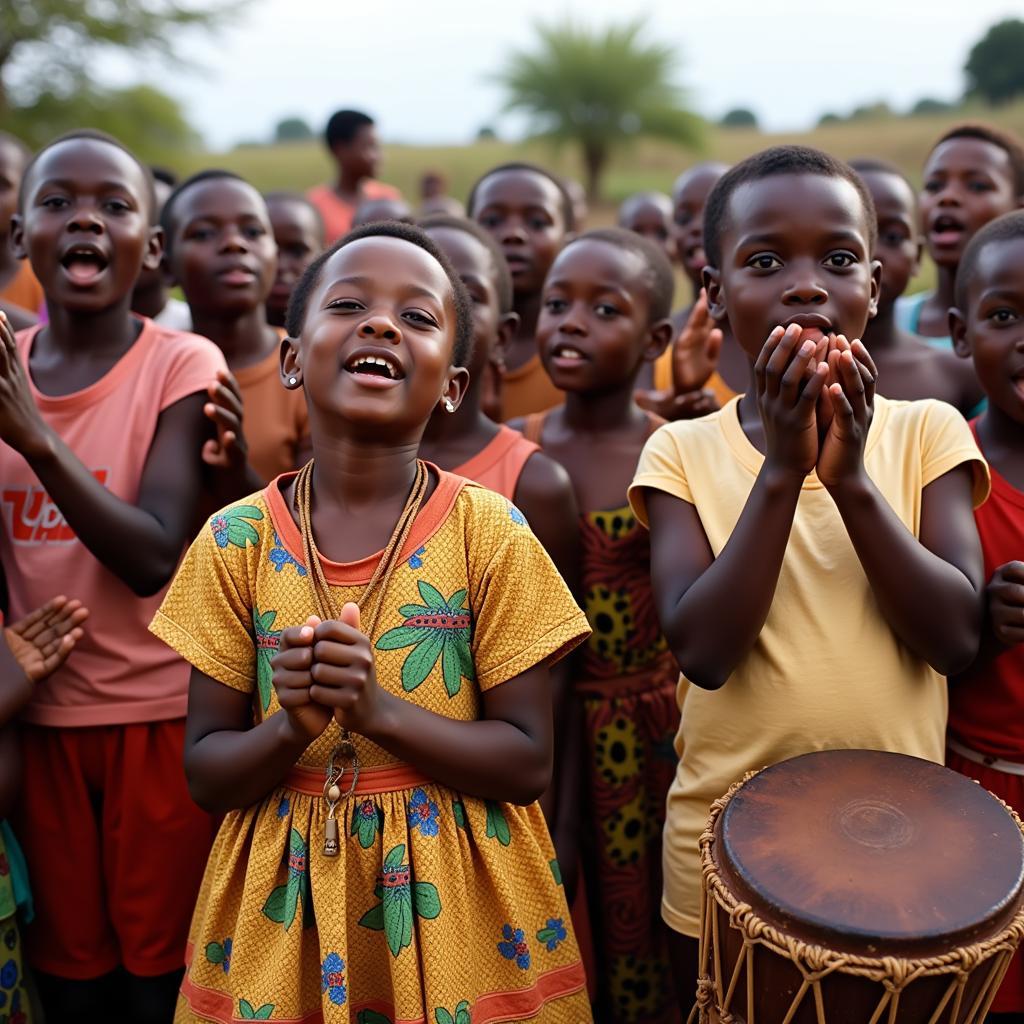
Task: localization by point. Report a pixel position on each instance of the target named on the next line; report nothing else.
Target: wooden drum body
(858, 887)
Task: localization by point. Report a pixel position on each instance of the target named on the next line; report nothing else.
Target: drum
(858, 887)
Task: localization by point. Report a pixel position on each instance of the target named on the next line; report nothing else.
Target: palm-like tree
(599, 90)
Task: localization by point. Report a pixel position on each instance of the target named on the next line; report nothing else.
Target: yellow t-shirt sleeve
(947, 442)
(523, 613)
(661, 468)
(206, 615)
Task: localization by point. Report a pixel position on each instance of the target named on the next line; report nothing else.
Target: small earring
(293, 381)
(449, 406)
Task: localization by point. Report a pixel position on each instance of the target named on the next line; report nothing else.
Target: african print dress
(440, 908)
(628, 689)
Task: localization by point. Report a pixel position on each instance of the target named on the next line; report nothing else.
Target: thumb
(350, 615)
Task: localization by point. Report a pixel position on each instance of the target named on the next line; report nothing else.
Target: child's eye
(683, 218)
(841, 260)
(893, 238)
(980, 186)
(554, 305)
(200, 234)
(420, 318)
(346, 305)
(933, 185)
(255, 231)
(606, 310)
(118, 206)
(538, 223)
(54, 202)
(764, 261)
(489, 220)
(1003, 316)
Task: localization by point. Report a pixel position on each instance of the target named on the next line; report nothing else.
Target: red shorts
(1009, 788)
(115, 847)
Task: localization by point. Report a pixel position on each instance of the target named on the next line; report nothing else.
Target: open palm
(42, 640)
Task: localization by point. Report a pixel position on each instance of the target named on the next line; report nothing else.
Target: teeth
(569, 353)
(374, 361)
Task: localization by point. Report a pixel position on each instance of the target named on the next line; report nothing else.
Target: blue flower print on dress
(517, 517)
(553, 934)
(283, 807)
(280, 557)
(9, 974)
(416, 558)
(423, 813)
(220, 953)
(332, 979)
(514, 947)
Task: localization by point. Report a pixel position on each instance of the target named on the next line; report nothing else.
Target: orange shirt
(528, 389)
(118, 673)
(276, 421)
(337, 214)
(715, 383)
(24, 290)
(498, 464)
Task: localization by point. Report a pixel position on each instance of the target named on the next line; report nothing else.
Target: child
(299, 234)
(434, 198)
(152, 295)
(373, 211)
(221, 250)
(102, 419)
(973, 174)
(986, 728)
(606, 307)
(30, 650)
(908, 367)
(351, 138)
(529, 214)
(649, 214)
(794, 532)
(416, 610)
(20, 293)
(578, 198)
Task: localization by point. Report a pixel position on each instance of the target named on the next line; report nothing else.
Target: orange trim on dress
(387, 778)
(432, 517)
(499, 464)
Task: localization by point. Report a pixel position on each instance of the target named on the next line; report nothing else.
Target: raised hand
(293, 681)
(696, 350)
(229, 450)
(21, 426)
(669, 406)
(1004, 596)
(344, 672)
(789, 380)
(43, 639)
(851, 393)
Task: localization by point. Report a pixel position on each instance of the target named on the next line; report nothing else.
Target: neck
(8, 261)
(348, 182)
(527, 305)
(150, 301)
(881, 331)
(1001, 436)
(466, 429)
(243, 339)
(945, 287)
(605, 412)
(353, 474)
(108, 332)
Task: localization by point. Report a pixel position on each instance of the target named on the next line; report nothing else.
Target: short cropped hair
(1007, 228)
(767, 164)
(16, 143)
(344, 126)
(92, 135)
(873, 165)
(502, 277)
(568, 216)
(299, 302)
(1005, 141)
(164, 175)
(660, 281)
(283, 196)
(167, 214)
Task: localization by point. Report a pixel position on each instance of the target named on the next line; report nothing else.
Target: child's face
(361, 156)
(651, 217)
(688, 198)
(523, 211)
(299, 242)
(223, 252)
(86, 225)
(376, 347)
(594, 329)
(474, 264)
(12, 163)
(991, 328)
(899, 244)
(967, 183)
(794, 251)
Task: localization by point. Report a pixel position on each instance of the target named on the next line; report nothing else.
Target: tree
(826, 119)
(739, 117)
(994, 68)
(49, 46)
(871, 111)
(599, 90)
(928, 105)
(292, 129)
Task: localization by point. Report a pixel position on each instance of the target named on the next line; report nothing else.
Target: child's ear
(154, 249)
(659, 337)
(876, 287)
(454, 389)
(16, 238)
(508, 324)
(958, 332)
(716, 296)
(291, 371)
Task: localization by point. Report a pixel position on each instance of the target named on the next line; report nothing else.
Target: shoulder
(242, 524)
(681, 435)
(542, 480)
(182, 349)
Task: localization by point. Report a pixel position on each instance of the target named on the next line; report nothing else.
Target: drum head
(872, 853)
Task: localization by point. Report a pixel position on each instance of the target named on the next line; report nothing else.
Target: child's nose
(513, 231)
(85, 218)
(380, 327)
(805, 291)
(234, 241)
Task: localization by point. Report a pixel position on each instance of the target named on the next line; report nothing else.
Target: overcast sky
(422, 67)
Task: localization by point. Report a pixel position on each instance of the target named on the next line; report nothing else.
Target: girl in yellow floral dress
(369, 704)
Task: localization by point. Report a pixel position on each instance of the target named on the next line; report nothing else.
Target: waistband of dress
(387, 778)
(996, 763)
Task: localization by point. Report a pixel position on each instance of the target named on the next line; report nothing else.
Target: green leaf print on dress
(247, 1012)
(437, 630)
(367, 821)
(460, 1016)
(372, 1017)
(232, 526)
(283, 902)
(399, 899)
(497, 825)
(268, 641)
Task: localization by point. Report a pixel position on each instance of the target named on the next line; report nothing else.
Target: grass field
(648, 165)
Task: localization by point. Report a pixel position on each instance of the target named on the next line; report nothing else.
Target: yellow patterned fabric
(440, 908)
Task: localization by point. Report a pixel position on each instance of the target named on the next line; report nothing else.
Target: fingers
(222, 395)
(298, 636)
(713, 346)
(814, 386)
(225, 419)
(778, 361)
(796, 373)
(766, 353)
(850, 382)
(1012, 571)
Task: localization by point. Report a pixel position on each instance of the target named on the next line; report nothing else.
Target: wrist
(383, 727)
(291, 739)
(39, 446)
(851, 487)
(779, 479)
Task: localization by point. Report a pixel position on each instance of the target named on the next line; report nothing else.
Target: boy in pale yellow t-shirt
(814, 559)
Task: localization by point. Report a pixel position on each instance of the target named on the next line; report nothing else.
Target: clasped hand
(816, 400)
(324, 670)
